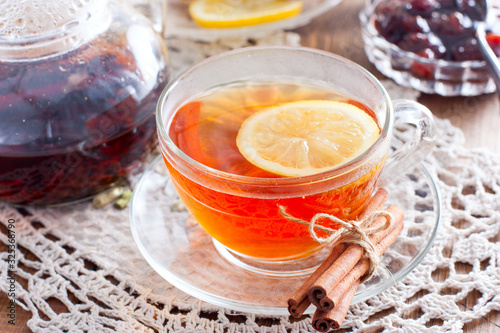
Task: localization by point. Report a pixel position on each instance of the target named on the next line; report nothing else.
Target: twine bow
(351, 232)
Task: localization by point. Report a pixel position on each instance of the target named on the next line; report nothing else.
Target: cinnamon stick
(331, 320)
(299, 302)
(322, 322)
(344, 264)
(374, 203)
(343, 294)
(359, 270)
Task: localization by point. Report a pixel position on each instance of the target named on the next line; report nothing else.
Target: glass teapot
(79, 82)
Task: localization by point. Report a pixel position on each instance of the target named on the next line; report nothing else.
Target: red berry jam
(434, 29)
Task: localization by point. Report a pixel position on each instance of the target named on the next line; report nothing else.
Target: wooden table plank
(20, 319)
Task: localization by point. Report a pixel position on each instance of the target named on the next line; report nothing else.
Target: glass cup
(241, 212)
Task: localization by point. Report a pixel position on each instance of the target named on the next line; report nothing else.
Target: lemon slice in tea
(306, 137)
(240, 13)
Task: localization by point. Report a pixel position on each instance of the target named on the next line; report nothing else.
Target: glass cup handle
(417, 134)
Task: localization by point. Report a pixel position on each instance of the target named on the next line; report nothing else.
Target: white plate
(179, 23)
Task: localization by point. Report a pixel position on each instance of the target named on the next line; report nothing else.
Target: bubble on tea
(31, 18)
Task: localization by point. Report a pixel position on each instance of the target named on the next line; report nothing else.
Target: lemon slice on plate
(240, 13)
(306, 137)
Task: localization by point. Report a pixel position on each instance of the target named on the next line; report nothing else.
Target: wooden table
(338, 31)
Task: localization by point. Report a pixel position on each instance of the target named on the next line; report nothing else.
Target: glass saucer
(179, 23)
(185, 255)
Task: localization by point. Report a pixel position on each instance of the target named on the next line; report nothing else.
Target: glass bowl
(433, 76)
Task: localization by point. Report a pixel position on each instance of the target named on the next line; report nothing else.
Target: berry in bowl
(430, 45)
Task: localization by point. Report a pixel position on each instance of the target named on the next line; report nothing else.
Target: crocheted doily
(85, 259)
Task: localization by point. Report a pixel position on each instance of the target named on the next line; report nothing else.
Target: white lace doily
(85, 260)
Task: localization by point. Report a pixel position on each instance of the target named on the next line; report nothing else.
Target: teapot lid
(40, 28)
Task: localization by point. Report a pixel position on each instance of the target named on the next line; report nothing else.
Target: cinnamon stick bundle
(333, 285)
(352, 256)
(342, 294)
(300, 301)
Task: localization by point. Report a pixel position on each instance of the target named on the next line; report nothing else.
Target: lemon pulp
(306, 137)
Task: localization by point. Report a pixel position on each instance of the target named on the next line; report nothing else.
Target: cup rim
(310, 179)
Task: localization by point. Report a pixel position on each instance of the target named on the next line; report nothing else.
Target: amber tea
(213, 128)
